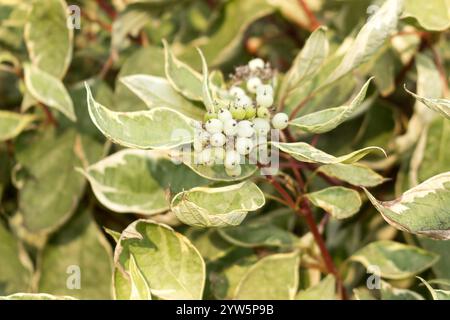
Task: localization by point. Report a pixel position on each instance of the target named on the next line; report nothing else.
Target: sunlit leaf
(217, 207)
(394, 260)
(12, 124)
(355, 174)
(340, 202)
(324, 290)
(423, 209)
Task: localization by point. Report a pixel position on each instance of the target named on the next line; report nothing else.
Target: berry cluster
(229, 134)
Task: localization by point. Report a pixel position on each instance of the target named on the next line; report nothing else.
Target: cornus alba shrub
(135, 169)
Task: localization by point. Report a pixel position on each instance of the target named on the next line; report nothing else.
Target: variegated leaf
(441, 106)
(424, 209)
(217, 207)
(340, 202)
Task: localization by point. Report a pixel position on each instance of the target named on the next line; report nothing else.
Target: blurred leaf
(255, 234)
(369, 39)
(158, 92)
(436, 293)
(422, 210)
(274, 277)
(340, 202)
(16, 268)
(324, 290)
(49, 90)
(217, 207)
(12, 124)
(35, 296)
(156, 128)
(383, 71)
(48, 39)
(328, 119)
(139, 181)
(307, 153)
(169, 262)
(388, 292)
(394, 260)
(431, 14)
(77, 252)
(355, 174)
(51, 189)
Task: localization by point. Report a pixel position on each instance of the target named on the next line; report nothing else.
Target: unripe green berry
(250, 112)
(263, 112)
(209, 115)
(238, 112)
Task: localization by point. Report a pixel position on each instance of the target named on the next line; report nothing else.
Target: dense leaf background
(364, 82)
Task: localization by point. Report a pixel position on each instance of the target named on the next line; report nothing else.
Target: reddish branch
(107, 8)
(313, 22)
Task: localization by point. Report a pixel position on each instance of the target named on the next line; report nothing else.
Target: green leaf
(432, 15)
(35, 296)
(383, 71)
(441, 106)
(48, 39)
(206, 92)
(340, 202)
(49, 90)
(437, 294)
(328, 119)
(217, 207)
(370, 38)
(12, 124)
(422, 210)
(306, 153)
(257, 234)
(16, 268)
(140, 289)
(158, 128)
(158, 92)
(183, 78)
(79, 246)
(355, 174)
(274, 277)
(308, 61)
(388, 292)
(394, 260)
(51, 188)
(324, 290)
(225, 42)
(170, 264)
(139, 181)
(209, 243)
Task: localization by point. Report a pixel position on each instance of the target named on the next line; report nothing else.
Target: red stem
(313, 22)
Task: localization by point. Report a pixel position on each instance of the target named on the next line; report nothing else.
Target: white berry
(202, 136)
(264, 101)
(236, 91)
(217, 139)
(204, 157)
(244, 145)
(261, 126)
(234, 171)
(198, 145)
(214, 126)
(253, 83)
(280, 121)
(264, 89)
(245, 129)
(232, 159)
(243, 101)
(256, 64)
(224, 115)
(230, 127)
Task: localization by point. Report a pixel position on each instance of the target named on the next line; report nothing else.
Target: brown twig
(107, 8)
